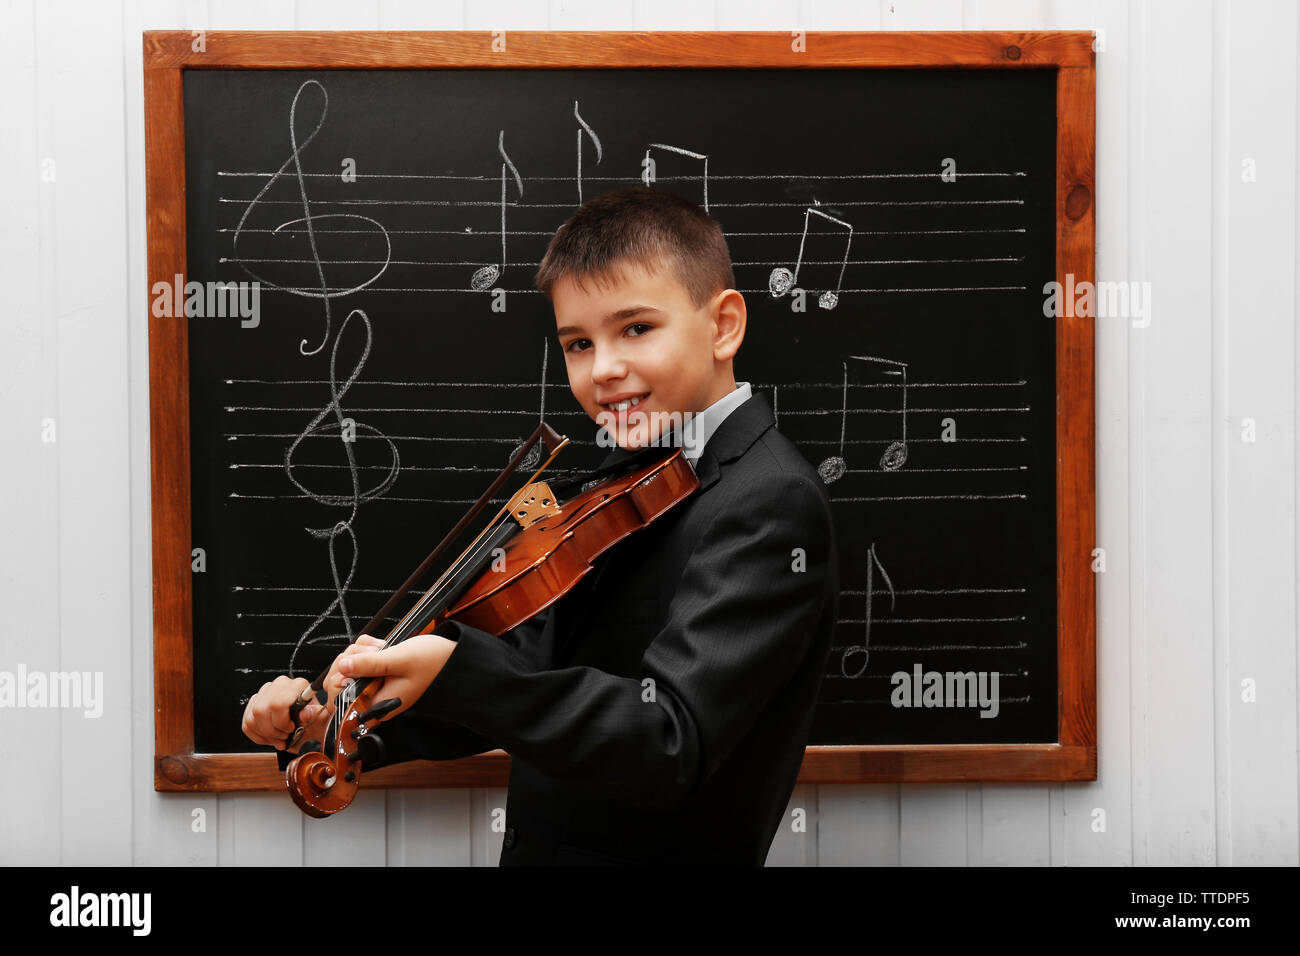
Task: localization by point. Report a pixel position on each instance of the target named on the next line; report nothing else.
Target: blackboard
(892, 232)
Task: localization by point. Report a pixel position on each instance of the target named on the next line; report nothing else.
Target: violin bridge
(532, 502)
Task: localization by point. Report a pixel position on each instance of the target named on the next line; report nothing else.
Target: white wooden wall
(1199, 526)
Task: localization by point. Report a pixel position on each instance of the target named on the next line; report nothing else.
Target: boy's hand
(405, 670)
(266, 718)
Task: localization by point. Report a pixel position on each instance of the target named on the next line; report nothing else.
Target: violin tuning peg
(370, 750)
(381, 708)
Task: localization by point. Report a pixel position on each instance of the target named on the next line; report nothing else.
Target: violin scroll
(321, 785)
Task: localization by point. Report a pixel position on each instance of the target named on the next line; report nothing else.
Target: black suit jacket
(658, 712)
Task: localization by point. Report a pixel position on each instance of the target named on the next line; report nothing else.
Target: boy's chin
(631, 435)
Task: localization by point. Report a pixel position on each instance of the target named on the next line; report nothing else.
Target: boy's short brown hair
(646, 226)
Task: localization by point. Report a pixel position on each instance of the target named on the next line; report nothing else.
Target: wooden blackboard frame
(177, 767)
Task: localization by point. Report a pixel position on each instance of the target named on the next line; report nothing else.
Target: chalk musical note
(534, 456)
(833, 468)
(863, 649)
(895, 455)
(346, 429)
(486, 277)
(309, 220)
(648, 169)
(594, 139)
(782, 280)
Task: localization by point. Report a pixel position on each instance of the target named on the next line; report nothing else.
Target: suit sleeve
(741, 620)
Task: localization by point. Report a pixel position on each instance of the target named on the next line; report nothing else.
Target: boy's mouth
(625, 405)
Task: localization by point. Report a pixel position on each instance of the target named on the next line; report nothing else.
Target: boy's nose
(607, 367)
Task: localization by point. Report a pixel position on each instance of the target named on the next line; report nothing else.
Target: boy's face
(639, 336)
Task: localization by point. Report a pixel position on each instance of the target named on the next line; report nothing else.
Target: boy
(658, 712)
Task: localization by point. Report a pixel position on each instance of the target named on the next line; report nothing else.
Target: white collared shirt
(696, 431)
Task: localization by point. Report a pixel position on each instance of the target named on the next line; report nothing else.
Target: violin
(533, 551)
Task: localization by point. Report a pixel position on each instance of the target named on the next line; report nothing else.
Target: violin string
(472, 553)
(498, 519)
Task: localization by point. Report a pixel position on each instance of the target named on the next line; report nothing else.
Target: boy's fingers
(266, 718)
(281, 722)
(360, 645)
(360, 664)
(375, 663)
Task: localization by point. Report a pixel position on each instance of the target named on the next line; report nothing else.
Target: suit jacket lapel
(733, 438)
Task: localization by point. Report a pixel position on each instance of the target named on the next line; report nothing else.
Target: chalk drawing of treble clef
(320, 289)
(330, 425)
(347, 431)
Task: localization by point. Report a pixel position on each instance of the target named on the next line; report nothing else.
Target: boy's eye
(580, 345)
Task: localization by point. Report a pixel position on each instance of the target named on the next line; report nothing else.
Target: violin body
(556, 551)
(552, 550)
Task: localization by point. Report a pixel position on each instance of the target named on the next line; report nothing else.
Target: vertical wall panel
(430, 827)
(355, 837)
(795, 842)
(1254, 376)
(671, 15)
(506, 15)
(93, 616)
(756, 14)
(1139, 263)
(1174, 685)
(932, 825)
(487, 823)
(858, 825)
(921, 14)
(29, 480)
(417, 15)
(840, 15)
(590, 15)
(336, 15)
(261, 829)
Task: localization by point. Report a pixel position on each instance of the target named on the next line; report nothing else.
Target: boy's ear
(729, 317)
